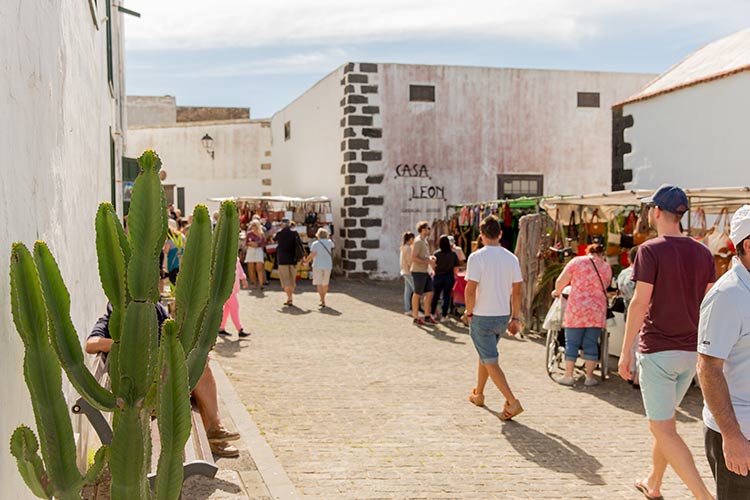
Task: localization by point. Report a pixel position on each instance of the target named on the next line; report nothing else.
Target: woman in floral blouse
(586, 311)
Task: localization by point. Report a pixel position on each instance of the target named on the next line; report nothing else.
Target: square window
(510, 186)
(588, 99)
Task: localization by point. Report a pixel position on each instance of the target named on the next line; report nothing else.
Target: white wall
(487, 121)
(309, 163)
(56, 113)
(151, 110)
(694, 137)
(240, 148)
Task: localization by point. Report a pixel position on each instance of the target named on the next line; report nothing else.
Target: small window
(588, 99)
(422, 93)
(511, 186)
(287, 131)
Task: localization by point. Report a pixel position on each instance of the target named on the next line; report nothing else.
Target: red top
(680, 269)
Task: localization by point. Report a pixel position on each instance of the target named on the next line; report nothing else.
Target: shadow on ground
(552, 452)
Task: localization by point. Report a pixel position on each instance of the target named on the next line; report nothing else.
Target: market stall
(306, 215)
(619, 221)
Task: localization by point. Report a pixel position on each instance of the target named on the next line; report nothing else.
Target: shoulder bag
(610, 313)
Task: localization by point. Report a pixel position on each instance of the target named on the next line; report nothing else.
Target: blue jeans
(586, 337)
(443, 284)
(408, 291)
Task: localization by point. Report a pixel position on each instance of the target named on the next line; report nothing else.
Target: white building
(393, 144)
(235, 161)
(62, 138)
(688, 126)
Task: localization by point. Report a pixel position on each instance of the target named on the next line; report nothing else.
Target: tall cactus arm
(148, 229)
(63, 334)
(112, 264)
(95, 471)
(173, 414)
(192, 282)
(223, 267)
(43, 376)
(24, 447)
(128, 459)
(135, 356)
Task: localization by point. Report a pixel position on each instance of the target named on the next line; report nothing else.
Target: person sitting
(205, 394)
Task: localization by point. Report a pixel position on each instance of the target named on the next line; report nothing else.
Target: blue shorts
(665, 378)
(485, 332)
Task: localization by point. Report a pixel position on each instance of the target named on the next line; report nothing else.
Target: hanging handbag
(698, 232)
(610, 313)
(643, 225)
(613, 237)
(571, 230)
(718, 240)
(595, 227)
(626, 238)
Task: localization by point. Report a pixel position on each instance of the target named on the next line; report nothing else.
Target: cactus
(146, 375)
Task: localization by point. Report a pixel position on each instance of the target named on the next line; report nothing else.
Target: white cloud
(192, 24)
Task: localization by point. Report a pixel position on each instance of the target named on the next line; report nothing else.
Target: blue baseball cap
(670, 198)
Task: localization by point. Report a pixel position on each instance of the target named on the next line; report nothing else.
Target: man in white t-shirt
(724, 369)
(493, 286)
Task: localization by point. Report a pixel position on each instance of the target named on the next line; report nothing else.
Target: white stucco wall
(151, 110)
(309, 163)
(694, 137)
(240, 148)
(488, 121)
(56, 114)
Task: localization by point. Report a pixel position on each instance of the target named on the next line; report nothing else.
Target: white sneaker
(567, 381)
(590, 382)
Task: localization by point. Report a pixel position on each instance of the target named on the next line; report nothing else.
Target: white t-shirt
(495, 270)
(724, 333)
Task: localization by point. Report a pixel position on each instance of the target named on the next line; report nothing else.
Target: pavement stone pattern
(358, 403)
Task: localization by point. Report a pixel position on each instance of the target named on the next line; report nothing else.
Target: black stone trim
(620, 175)
(349, 265)
(356, 99)
(359, 120)
(350, 223)
(356, 168)
(372, 132)
(375, 179)
(371, 222)
(356, 78)
(349, 132)
(359, 144)
(350, 179)
(356, 233)
(358, 276)
(350, 109)
(370, 265)
(343, 212)
(369, 89)
(372, 155)
(349, 68)
(358, 212)
(374, 200)
(349, 89)
(350, 156)
(371, 110)
(343, 145)
(359, 190)
(370, 244)
(349, 201)
(342, 233)
(349, 244)
(368, 67)
(356, 254)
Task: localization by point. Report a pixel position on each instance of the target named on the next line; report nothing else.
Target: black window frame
(589, 100)
(503, 178)
(287, 130)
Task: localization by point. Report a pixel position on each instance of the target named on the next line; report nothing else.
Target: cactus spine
(146, 374)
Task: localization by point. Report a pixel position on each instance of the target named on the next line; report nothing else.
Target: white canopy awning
(275, 199)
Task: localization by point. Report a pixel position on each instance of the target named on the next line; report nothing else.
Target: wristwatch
(515, 319)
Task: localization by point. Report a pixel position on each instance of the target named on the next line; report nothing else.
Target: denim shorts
(485, 332)
(588, 338)
(665, 378)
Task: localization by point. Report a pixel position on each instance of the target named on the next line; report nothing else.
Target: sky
(263, 55)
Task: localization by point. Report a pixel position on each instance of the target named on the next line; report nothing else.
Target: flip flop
(510, 411)
(644, 489)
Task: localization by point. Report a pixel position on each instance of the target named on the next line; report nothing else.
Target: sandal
(510, 411)
(640, 486)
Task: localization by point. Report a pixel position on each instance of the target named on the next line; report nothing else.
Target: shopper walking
(321, 256)
(255, 242)
(405, 260)
(672, 274)
(586, 311)
(493, 304)
(287, 258)
(446, 268)
(724, 369)
(173, 248)
(626, 287)
(421, 262)
(232, 305)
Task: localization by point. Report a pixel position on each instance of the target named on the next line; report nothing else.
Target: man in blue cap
(672, 274)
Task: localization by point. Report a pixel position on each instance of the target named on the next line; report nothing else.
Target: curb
(273, 474)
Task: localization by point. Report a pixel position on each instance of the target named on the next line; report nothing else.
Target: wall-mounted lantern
(208, 144)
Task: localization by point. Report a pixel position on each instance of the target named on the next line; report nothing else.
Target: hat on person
(285, 221)
(740, 226)
(670, 198)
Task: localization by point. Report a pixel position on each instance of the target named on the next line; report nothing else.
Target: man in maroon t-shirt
(672, 274)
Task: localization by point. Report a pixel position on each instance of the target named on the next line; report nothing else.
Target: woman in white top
(405, 258)
(254, 243)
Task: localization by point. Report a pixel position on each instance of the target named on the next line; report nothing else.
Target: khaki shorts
(287, 275)
(321, 277)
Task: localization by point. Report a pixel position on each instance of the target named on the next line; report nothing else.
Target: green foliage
(145, 375)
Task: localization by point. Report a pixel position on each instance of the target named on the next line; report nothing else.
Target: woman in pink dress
(586, 312)
(232, 305)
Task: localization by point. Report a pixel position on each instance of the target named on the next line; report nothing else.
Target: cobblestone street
(357, 403)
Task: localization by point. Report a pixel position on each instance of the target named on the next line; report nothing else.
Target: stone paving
(357, 403)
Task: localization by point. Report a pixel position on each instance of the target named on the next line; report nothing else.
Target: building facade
(206, 152)
(687, 126)
(393, 144)
(62, 142)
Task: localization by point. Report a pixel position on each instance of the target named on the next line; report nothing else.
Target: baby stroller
(555, 342)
